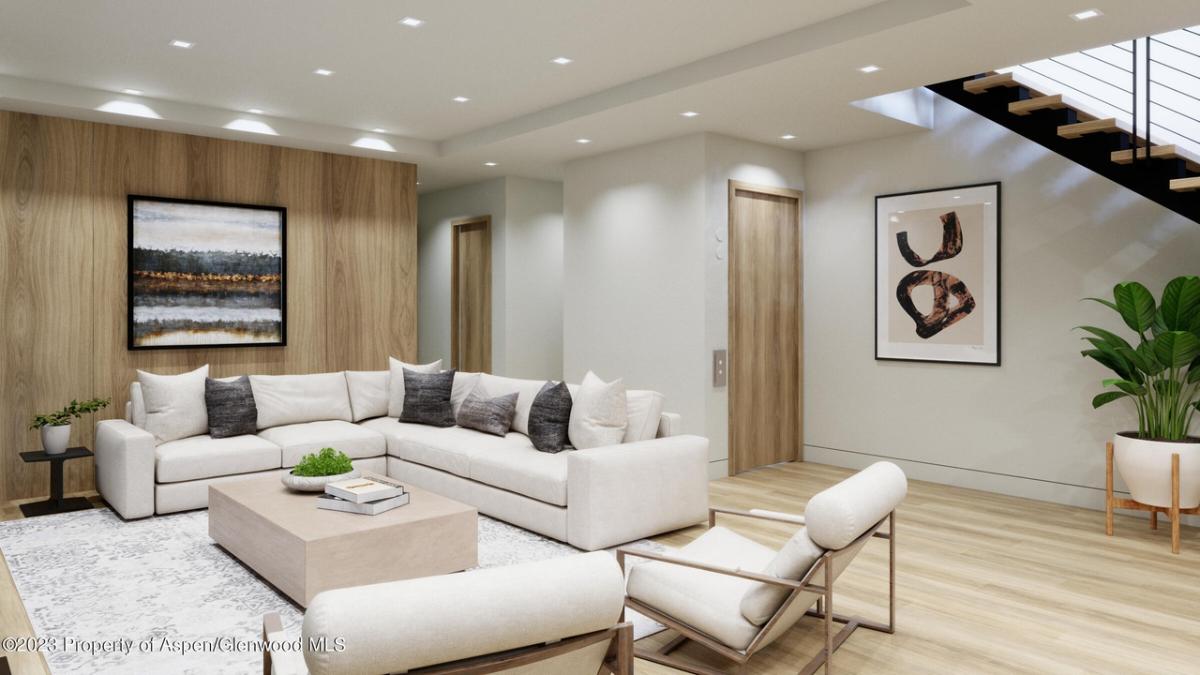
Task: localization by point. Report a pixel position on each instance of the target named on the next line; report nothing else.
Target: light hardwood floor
(985, 584)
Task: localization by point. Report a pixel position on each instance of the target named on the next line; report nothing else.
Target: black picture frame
(999, 204)
(281, 211)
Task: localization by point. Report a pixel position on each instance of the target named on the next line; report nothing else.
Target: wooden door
(471, 294)
(765, 317)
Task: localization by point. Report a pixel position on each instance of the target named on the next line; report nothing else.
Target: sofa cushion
(489, 415)
(453, 448)
(396, 381)
(298, 440)
(522, 469)
(706, 600)
(526, 391)
(643, 408)
(598, 413)
(464, 384)
(427, 398)
(293, 399)
(207, 457)
(394, 431)
(174, 404)
(549, 417)
(368, 391)
(231, 409)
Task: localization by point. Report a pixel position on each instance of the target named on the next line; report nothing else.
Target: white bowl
(314, 483)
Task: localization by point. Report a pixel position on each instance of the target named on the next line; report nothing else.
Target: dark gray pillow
(549, 417)
(489, 415)
(231, 409)
(427, 398)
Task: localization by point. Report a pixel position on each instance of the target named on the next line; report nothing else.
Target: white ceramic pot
(314, 483)
(1145, 467)
(55, 439)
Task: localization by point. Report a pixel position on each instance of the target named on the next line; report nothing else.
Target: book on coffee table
(332, 503)
(360, 490)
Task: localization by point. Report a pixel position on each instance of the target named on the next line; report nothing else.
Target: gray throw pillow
(231, 409)
(550, 416)
(427, 398)
(489, 415)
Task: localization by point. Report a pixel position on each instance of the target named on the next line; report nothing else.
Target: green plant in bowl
(326, 462)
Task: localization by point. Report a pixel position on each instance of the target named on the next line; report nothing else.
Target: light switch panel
(720, 366)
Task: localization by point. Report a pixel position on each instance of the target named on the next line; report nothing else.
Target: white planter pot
(55, 439)
(1145, 467)
(314, 483)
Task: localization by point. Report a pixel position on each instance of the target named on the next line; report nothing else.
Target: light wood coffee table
(303, 550)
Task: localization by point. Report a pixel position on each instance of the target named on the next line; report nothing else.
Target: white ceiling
(754, 69)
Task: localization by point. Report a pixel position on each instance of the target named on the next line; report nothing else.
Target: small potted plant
(317, 469)
(56, 426)
(1159, 372)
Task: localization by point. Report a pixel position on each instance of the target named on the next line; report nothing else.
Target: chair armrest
(278, 661)
(760, 514)
(620, 493)
(669, 424)
(695, 564)
(125, 468)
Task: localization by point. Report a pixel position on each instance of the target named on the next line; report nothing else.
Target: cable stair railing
(1129, 111)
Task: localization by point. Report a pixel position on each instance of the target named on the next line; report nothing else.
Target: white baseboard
(718, 468)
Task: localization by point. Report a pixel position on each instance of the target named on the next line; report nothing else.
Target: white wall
(646, 295)
(526, 272)
(1026, 427)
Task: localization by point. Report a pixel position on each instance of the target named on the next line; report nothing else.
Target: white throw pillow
(598, 413)
(644, 407)
(296, 399)
(368, 393)
(793, 561)
(396, 386)
(464, 384)
(174, 404)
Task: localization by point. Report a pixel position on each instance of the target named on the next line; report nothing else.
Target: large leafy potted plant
(55, 427)
(1158, 371)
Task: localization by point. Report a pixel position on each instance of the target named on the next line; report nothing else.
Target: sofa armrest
(125, 468)
(620, 493)
(669, 424)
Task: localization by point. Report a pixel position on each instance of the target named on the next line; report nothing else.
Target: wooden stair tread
(982, 84)
(1156, 152)
(1030, 105)
(1186, 184)
(1107, 125)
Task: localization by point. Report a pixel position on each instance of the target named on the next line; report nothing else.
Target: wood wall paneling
(351, 265)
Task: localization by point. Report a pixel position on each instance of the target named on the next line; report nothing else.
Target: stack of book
(368, 496)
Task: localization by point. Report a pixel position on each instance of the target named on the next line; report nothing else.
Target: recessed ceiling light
(251, 126)
(583, 141)
(255, 111)
(323, 72)
(132, 92)
(1086, 14)
(129, 108)
(489, 164)
(412, 22)
(958, 196)
(987, 203)
(689, 113)
(869, 69)
(182, 44)
(377, 130)
(788, 137)
(562, 60)
(373, 144)
(460, 99)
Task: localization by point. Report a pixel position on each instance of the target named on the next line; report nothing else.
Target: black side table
(56, 503)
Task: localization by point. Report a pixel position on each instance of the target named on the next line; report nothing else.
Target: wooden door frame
(787, 193)
(455, 225)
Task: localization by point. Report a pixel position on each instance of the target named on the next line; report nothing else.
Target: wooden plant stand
(1173, 512)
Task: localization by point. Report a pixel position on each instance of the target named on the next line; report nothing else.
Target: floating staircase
(1128, 111)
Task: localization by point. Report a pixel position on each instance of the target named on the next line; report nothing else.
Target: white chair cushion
(526, 391)
(396, 381)
(207, 457)
(708, 601)
(838, 515)
(453, 448)
(643, 409)
(298, 440)
(294, 399)
(174, 404)
(793, 561)
(368, 393)
(524, 470)
(598, 413)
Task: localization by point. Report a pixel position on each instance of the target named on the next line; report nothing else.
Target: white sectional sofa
(591, 498)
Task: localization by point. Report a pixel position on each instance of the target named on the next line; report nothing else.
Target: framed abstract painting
(206, 274)
(937, 275)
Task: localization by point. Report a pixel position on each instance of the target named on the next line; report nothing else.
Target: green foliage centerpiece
(314, 470)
